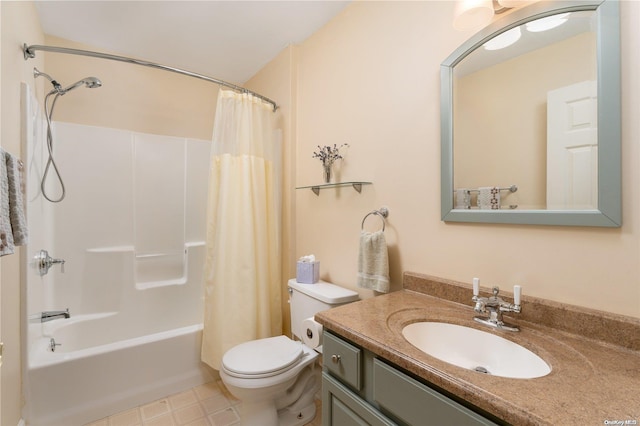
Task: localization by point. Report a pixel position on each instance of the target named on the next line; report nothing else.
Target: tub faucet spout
(52, 315)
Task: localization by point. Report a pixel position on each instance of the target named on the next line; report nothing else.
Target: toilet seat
(262, 358)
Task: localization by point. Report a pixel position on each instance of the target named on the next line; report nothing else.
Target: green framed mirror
(530, 132)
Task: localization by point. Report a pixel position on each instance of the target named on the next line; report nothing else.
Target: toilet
(275, 378)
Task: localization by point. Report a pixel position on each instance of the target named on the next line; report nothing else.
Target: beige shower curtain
(242, 266)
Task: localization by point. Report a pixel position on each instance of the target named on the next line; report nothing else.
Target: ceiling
(228, 40)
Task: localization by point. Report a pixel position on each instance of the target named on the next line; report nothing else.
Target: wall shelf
(316, 188)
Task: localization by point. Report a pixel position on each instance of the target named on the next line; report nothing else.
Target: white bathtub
(80, 383)
(133, 278)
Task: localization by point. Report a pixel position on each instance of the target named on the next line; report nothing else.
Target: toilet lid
(263, 357)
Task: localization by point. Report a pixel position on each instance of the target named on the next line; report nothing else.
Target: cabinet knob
(335, 359)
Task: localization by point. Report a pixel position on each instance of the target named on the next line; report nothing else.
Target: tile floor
(209, 404)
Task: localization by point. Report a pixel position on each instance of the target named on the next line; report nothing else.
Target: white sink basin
(475, 350)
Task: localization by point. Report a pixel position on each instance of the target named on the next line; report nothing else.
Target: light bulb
(472, 14)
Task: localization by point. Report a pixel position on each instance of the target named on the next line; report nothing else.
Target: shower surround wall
(131, 232)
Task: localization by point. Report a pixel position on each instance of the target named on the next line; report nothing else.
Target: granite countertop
(592, 382)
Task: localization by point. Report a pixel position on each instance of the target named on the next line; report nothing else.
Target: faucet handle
(476, 287)
(53, 344)
(44, 262)
(517, 292)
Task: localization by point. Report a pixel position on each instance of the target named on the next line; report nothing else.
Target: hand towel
(463, 198)
(13, 224)
(373, 262)
(489, 198)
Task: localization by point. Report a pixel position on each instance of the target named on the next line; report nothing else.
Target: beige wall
(132, 97)
(20, 25)
(371, 78)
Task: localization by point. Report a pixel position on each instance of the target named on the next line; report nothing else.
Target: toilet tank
(305, 300)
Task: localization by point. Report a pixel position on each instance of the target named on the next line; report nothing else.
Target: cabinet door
(341, 407)
(416, 404)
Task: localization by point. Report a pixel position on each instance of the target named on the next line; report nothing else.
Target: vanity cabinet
(359, 388)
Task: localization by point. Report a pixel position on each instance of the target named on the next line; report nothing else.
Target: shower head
(90, 82)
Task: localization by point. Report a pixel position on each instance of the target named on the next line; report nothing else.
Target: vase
(327, 172)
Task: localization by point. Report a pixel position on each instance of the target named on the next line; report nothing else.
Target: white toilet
(275, 377)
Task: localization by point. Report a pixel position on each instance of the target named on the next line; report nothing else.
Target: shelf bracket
(357, 186)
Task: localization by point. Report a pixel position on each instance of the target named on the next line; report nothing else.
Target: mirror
(531, 130)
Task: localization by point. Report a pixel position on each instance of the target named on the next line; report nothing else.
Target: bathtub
(85, 379)
(132, 276)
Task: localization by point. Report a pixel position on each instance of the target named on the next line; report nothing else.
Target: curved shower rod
(30, 52)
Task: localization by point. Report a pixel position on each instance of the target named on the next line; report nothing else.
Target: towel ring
(383, 213)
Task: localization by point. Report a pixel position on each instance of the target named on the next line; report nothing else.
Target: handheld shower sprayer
(90, 82)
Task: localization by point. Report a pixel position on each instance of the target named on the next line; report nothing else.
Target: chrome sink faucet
(52, 315)
(494, 306)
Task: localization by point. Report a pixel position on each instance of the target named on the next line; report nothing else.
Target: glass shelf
(316, 188)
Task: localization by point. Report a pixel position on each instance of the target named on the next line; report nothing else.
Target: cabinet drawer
(341, 407)
(417, 404)
(342, 359)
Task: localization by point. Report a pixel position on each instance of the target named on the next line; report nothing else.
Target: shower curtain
(242, 266)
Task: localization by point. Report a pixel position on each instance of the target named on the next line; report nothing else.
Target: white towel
(13, 224)
(463, 198)
(373, 262)
(489, 198)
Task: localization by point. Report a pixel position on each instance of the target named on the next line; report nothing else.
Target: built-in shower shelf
(120, 249)
(165, 283)
(111, 249)
(316, 188)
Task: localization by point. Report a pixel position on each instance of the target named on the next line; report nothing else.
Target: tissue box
(308, 272)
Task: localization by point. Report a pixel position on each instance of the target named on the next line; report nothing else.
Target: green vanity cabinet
(361, 389)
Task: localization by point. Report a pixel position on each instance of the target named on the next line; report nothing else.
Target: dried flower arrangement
(328, 154)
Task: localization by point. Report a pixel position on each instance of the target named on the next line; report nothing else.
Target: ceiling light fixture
(474, 14)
